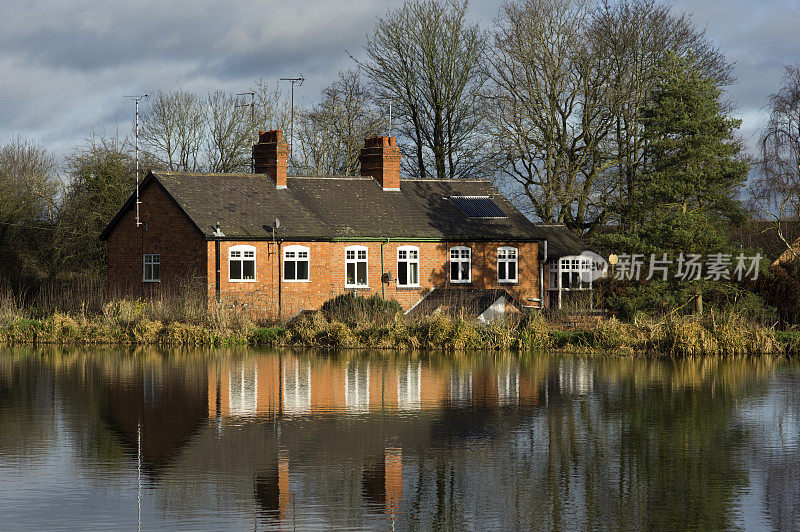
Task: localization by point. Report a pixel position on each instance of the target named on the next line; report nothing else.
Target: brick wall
(327, 274)
(165, 230)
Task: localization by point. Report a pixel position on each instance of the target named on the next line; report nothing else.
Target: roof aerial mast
(137, 99)
(252, 106)
(299, 80)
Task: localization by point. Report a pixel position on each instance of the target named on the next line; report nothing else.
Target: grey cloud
(66, 65)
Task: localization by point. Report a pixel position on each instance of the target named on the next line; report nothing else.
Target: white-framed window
(242, 264)
(507, 265)
(355, 263)
(575, 273)
(460, 264)
(408, 266)
(151, 263)
(296, 263)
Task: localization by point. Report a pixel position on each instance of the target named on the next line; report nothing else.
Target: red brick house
(273, 244)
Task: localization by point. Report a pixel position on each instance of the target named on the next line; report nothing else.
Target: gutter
(280, 276)
(383, 271)
(386, 240)
(542, 262)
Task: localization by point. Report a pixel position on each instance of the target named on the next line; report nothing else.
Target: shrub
(266, 336)
(352, 309)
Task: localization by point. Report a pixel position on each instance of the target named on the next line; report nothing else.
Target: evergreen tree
(687, 192)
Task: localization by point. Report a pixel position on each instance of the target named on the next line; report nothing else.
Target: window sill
(461, 282)
(508, 282)
(242, 280)
(296, 280)
(408, 287)
(151, 280)
(356, 287)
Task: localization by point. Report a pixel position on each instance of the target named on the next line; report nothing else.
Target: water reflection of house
(272, 490)
(381, 485)
(575, 376)
(163, 403)
(288, 385)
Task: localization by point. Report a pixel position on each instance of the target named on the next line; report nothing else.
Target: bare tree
(331, 134)
(776, 194)
(102, 176)
(425, 58)
(230, 133)
(635, 35)
(173, 128)
(549, 116)
(568, 81)
(29, 191)
(272, 108)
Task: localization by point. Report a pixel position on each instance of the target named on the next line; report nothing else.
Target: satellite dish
(277, 224)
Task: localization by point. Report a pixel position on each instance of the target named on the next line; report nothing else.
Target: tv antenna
(137, 99)
(252, 106)
(299, 80)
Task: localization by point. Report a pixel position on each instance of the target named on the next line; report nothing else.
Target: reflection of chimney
(272, 489)
(393, 467)
(285, 495)
(271, 156)
(380, 160)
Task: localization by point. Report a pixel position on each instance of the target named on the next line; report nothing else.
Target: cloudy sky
(65, 66)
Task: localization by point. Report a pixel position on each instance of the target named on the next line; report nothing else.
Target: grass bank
(157, 323)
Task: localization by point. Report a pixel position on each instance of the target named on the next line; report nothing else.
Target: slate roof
(469, 301)
(316, 208)
(561, 242)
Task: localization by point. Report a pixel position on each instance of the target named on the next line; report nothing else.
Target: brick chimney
(380, 160)
(271, 156)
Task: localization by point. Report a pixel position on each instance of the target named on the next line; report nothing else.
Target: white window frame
(503, 257)
(151, 259)
(459, 259)
(576, 268)
(355, 260)
(408, 260)
(242, 249)
(296, 251)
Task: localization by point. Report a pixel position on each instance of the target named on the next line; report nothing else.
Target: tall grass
(84, 313)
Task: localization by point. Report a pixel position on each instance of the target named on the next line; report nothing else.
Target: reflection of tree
(592, 442)
(24, 397)
(773, 425)
(679, 448)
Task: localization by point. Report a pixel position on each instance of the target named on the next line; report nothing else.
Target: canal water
(244, 439)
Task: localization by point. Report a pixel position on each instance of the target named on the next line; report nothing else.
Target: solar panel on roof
(478, 206)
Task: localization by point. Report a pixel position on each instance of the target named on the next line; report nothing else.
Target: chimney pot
(380, 159)
(271, 156)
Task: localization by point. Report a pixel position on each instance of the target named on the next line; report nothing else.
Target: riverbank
(136, 323)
